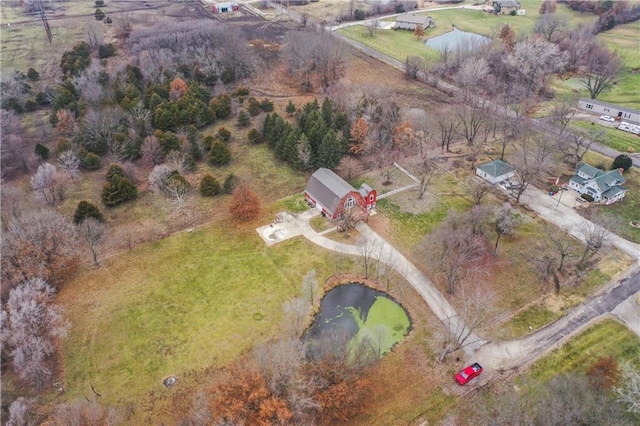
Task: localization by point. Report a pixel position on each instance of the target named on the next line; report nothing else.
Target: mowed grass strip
(616, 139)
(623, 39)
(183, 303)
(605, 338)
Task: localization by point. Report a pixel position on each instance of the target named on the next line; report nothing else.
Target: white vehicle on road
(607, 118)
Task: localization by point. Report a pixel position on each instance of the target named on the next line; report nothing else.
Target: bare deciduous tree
(477, 190)
(91, 232)
(455, 250)
(600, 70)
(505, 222)
(448, 127)
(629, 392)
(369, 249)
(70, 164)
(575, 144)
(595, 237)
(158, 178)
(372, 26)
(86, 412)
(38, 243)
(152, 151)
(533, 60)
(426, 170)
(550, 25)
(562, 113)
(533, 159)
(33, 322)
(49, 184)
(476, 311)
(21, 412)
(312, 55)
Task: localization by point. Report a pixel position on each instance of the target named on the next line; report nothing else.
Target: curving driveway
(621, 299)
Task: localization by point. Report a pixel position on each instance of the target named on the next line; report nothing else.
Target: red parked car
(468, 373)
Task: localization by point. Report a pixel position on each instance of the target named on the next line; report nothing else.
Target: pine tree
(86, 209)
(291, 108)
(209, 186)
(229, 184)
(219, 154)
(330, 151)
(327, 112)
(243, 119)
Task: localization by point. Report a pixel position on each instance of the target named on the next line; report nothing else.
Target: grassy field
(181, 304)
(623, 40)
(616, 139)
(607, 337)
(400, 44)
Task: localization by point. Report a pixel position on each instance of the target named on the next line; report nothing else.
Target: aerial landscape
(320, 212)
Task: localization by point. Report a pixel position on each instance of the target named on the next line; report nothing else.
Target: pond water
(452, 38)
(359, 316)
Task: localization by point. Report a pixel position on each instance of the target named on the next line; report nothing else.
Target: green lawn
(625, 41)
(605, 338)
(616, 139)
(181, 304)
(400, 44)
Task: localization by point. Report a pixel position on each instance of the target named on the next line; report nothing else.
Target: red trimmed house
(224, 7)
(333, 195)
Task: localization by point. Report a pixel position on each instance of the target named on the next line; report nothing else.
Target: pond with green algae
(363, 317)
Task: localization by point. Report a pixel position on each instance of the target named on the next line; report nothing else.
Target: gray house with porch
(602, 186)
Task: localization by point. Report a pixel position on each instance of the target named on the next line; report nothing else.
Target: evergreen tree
(224, 134)
(622, 161)
(291, 108)
(209, 186)
(243, 119)
(169, 141)
(118, 188)
(219, 154)
(86, 209)
(330, 151)
(327, 112)
(221, 106)
(229, 183)
(254, 136)
(42, 151)
(287, 148)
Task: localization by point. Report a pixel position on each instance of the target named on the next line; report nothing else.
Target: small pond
(452, 38)
(359, 316)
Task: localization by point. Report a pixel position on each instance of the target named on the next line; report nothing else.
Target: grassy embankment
(616, 139)
(605, 338)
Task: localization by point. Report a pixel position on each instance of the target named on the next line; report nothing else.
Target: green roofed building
(495, 171)
(602, 186)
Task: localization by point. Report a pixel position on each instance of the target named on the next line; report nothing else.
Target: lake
(452, 38)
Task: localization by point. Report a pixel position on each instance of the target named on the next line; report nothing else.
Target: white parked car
(607, 118)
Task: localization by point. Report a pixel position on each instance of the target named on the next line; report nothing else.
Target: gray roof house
(495, 171)
(505, 7)
(602, 186)
(615, 111)
(407, 21)
(332, 194)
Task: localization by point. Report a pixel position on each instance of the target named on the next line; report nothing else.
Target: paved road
(497, 356)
